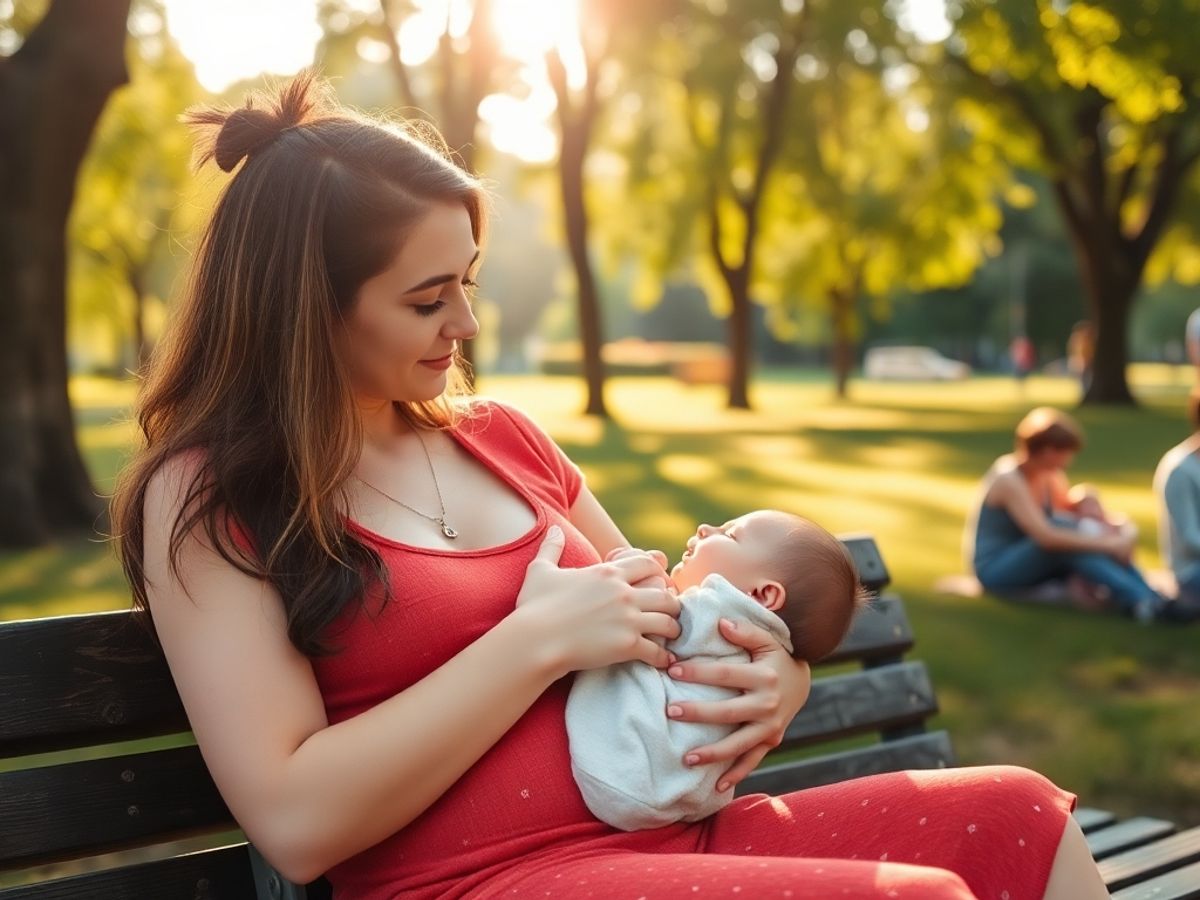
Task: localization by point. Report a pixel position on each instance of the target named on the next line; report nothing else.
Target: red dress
(514, 825)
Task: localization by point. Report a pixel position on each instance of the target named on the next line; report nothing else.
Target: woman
(370, 593)
(1022, 534)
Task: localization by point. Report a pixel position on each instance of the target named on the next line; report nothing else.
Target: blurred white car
(912, 364)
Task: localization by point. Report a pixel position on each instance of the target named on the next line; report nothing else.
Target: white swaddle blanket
(627, 756)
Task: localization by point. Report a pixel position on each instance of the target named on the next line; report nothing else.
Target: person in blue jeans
(1017, 542)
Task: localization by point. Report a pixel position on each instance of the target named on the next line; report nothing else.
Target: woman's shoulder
(1003, 469)
(1000, 477)
(171, 481)
(488, 416)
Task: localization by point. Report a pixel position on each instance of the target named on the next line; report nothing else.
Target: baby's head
(1086, 501)
(789, 564)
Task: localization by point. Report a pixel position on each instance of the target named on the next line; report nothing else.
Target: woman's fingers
(738, 676)
(730, 747)
(634, 568)
(655, 599)
(748, 636)
(652, 653)
(733, 711)
(742, 766)
(661, 624)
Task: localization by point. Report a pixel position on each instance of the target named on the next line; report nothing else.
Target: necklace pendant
(448, 531)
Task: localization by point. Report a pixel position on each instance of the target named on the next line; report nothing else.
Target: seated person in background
(1088, 515)
(781, 572)
(1177, 487)
(1015, 542)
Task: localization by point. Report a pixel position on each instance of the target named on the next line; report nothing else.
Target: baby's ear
(770, 594)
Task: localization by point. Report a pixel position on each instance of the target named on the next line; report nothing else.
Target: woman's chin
(426, 389)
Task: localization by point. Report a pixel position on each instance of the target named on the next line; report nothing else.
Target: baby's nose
(704, 530)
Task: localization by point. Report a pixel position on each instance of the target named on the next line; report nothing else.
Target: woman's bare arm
(310, 794)
(595, 524)
(1010, 491)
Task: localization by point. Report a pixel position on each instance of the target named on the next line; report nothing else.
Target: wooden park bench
(82, 816)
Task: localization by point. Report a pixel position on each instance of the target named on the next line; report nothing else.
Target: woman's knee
(1014, 789)
(1005, 781)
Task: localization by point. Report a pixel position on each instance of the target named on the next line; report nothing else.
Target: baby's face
(1089, 507)
(741, 550)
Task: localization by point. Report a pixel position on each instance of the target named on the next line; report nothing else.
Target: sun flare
(223, 39)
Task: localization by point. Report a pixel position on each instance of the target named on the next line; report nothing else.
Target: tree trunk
(141, 349)
(738, 282)
(1110, 281)
(575, 214)
(575, 119)
(52, 91)
(1111, 306)
(841, 303)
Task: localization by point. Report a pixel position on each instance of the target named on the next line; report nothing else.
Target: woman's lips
(441, 363)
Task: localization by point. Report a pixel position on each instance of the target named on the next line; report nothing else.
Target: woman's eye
(428, 309)
(470, 285)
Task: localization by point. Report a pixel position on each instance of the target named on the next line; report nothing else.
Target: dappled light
(812, 255)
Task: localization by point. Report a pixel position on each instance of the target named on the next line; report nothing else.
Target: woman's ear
(770, 594)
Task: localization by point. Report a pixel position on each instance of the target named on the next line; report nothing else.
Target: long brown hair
(247, 380)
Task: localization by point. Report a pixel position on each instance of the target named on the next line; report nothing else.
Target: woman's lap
(1024, 564)
(687, 876)
(915, 834)
(1020, 565)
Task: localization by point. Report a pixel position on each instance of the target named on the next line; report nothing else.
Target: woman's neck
(382, 423)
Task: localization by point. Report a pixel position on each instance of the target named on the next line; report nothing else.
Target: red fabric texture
(515, 825)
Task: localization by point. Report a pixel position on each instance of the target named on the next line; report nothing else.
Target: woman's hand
(662, 579)
(774, 687)
(1120, 546)
(595, 616)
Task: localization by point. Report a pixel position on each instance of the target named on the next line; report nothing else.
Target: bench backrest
(73, 686)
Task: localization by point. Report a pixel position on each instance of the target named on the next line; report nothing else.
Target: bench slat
(220, 874)
(54, 812)
(1090, 819)
(1181, 884)
(1124, 869)
(880, 631)
(885, 697)
(1127, 835)
(924, 751)
(73, 680)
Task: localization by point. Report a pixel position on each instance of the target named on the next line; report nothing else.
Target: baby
(1090, 517)
(781, 572)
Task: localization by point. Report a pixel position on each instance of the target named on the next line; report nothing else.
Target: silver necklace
(447, 530)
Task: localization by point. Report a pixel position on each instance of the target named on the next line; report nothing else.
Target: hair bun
(245, 132)
(240, 133)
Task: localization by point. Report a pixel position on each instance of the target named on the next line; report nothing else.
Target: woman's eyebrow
(440, 279)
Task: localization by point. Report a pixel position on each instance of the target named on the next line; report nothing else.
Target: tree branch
(1172, 170)
(1024, 104)
(399, 70)
(774, 119)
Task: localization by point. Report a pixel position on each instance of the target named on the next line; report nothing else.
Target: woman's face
(1052, 458)
(407, 321)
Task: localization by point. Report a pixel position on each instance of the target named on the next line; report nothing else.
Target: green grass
(1105, 708)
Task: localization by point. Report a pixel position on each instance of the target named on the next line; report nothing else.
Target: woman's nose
(464, 325)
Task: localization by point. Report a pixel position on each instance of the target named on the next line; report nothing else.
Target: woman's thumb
(552, 545)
